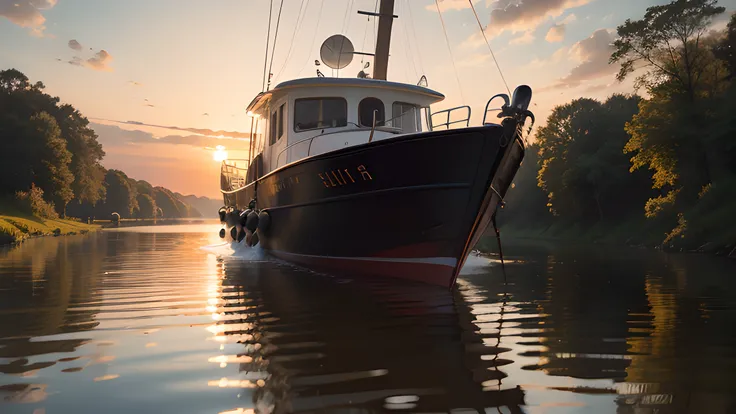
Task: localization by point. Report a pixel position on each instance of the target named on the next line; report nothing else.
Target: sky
(163, 82)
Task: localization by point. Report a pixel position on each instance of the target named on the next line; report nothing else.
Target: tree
(667, 42)
(582, 167)
(146, 206)
(12, 80)
(121, 196)
(169, 204)
(86, 154)
(50, 160)
(20, 100)
(725, 50)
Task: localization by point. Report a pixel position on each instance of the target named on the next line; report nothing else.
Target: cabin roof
(344, 82)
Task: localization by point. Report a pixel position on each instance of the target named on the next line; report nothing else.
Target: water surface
(147, 320)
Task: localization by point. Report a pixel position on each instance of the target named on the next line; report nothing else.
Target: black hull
(409, 207)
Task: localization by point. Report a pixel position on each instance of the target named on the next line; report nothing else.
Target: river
(165, 320)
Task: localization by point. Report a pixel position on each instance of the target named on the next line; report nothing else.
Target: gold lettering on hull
(343, 177)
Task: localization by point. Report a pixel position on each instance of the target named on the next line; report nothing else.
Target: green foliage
(32, 201)
(172, 207)
(581, 165)
(146, 206)
(53, 173)
(667, 43)
(121, 196)
(25, 130)
(50, 148)
(725, 50)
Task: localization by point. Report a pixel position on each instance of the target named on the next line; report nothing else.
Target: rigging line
(483, 32)
(407, 41)
(346, 18)
(314, 36)
(449, 49)
(375, 28)
(273, 50)
(297, 27)
(407, 48)
(365, 36)
(414, 35)
(345, 24)
(268, 37)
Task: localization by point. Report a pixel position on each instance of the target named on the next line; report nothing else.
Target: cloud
(524, 39)
(199, 131)
(27, 13)
(73, 44)
(100, 61)
(593, 54)
(556, 33)
(446, 5)
(111, 135)
(515, 16)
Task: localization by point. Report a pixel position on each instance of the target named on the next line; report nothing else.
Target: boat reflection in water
(144, 320)
(318, 343)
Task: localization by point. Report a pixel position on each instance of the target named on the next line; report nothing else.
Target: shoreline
(15, 229)
(488, 245)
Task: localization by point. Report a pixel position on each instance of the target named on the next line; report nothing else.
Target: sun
(220, 154)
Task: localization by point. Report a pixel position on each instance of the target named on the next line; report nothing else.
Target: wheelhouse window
(277, 124)
(366, 107)
(406, 117)
(318, 113)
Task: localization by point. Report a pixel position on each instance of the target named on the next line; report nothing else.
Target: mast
(383, 42)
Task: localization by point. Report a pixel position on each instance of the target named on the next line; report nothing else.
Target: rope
(275, 36)
(345, 24)
(483, 32)
(414, 35)
(500, 250)
(408, 51)
(297, 27)
(268, 37)
(447, 40)
(314, 36)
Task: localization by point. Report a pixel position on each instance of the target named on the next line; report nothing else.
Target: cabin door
(277, 135)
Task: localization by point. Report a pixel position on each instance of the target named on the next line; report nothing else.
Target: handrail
(506, 103)
(449, 111)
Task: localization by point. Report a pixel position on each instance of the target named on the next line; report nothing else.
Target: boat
(359, 176)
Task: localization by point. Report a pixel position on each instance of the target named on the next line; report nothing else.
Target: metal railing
(233, 177)
(447, 124)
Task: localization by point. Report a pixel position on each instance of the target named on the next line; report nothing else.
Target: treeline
(50, 162)
(656, 171)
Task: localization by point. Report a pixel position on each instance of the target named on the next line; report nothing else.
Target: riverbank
(708, 233)
(17, 227)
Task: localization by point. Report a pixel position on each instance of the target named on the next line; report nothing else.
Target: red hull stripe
(432, 270)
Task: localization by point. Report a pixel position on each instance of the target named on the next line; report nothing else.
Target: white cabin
(306, 117)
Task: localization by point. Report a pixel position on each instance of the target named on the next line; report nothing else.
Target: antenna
(337, 52)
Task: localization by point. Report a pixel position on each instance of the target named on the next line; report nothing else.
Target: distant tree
(525, 202)
(146, 206)
(582, 166)
(121, 197)
(170, 206)
(725, 50)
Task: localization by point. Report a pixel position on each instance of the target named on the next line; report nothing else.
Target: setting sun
(220, 154)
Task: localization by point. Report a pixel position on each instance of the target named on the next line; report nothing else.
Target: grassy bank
(16, 227)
